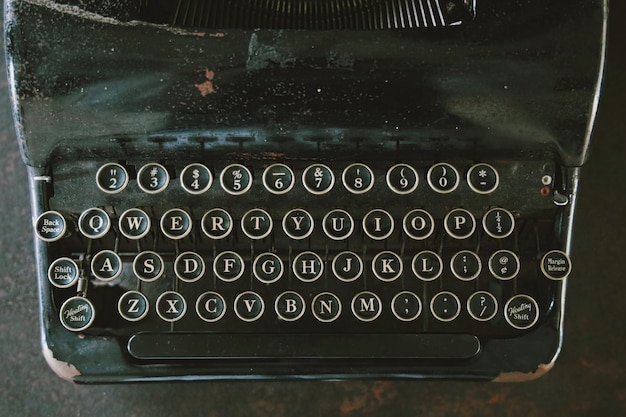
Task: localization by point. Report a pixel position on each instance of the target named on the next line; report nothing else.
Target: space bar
(178, 346)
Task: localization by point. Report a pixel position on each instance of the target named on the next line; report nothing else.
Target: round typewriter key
(171, 306)
(176, 224)
(318, 179)
(63, 273)
(153, 178)
(378, 224)
(112, 178)
(521, 312)
(77, 314)
(347, 266)
(217, 223)
(94, 223)
(50, 226)
(133, 306)
(236, 179)
(358, 178)
(134, 223)
(326, 307)
(483, 178)
(249, 306)
(459, 223)
(148, 266)
(402, 179)
(498, 223)
(418, 224)
(189, 266)
(504, 264)
(196, 179)
(406, 306)
(257, 224)
(445, 306)
(278, 179)
(338, 224)
(366, 306)
(210, 306)
(308, 266)
(465, 265)
(427, 265)
(482, 306)
(106, 265)
(556, 265)
(443, 178)
(268, 267)
(228, 266)
(298, 224)
(387, 266)
(289, 306)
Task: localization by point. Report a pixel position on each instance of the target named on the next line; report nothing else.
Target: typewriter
(301, 189)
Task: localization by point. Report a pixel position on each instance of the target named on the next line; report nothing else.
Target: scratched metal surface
(588, 379)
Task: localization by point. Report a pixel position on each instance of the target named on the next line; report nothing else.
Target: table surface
(589, 377)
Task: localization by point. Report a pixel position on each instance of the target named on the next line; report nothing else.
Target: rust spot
(542, 369)
(378, 395)
(207, 87)
(496, 399)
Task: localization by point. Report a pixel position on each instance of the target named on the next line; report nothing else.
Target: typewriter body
(303, 189)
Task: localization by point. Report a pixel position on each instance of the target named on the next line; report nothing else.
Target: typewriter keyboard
(194, 259)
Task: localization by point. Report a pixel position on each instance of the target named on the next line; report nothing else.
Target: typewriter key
(153, 178)
(521, 312)
(445, 306)
(112, 178)
(483, 178)
(94, 223)
(50, 226)
(556, 265)
(171, 306)
(63, 273)
(278, 179)
(210, 306)
(196, 179)
(482, 306)
(133, 306)
(77, 314)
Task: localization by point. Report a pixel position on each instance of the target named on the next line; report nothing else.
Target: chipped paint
(207, 87)
(62, 369)
(541, 370)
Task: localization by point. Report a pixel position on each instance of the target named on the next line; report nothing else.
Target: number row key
(278, 178)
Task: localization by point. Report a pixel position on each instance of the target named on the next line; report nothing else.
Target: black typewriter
(303, 189)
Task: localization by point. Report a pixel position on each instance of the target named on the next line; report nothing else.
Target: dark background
(589, 377)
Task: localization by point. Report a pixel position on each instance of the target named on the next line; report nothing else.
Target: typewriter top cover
(306, 188)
